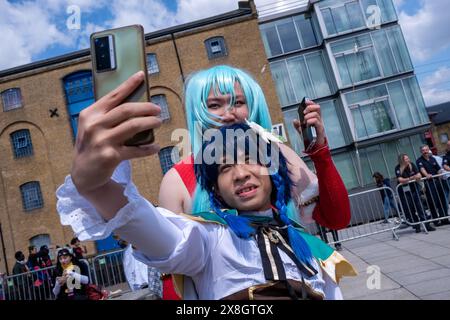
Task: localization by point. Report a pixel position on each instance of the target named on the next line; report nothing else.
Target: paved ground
(417, 266)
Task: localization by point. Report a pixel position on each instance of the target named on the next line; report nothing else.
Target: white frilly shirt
(219, 262)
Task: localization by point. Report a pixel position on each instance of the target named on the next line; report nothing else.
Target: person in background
(409, 192)
(32, 261)
(139, 275)
(386, 196)
(70, 278)
(446, 166)
(20, 282)
(435, 194)
(324, 237)
(77, 250)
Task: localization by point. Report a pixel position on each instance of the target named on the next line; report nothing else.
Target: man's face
(244, 186)
(425, 151)
(448, 145)
(220, 106)
(34, 251)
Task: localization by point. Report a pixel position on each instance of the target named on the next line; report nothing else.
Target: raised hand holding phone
(103, 129)
(310, 125)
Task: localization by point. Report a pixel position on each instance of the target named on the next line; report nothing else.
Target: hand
(61, 280)
(429, 176)
(312, 118)
(103, 128)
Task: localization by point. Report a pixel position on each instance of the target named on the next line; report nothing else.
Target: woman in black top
(71, 277)
(408, 175)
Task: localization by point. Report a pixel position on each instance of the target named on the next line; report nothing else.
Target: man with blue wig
(246, 247)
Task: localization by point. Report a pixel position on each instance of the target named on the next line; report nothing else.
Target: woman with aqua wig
(225, 95)
(245, 248)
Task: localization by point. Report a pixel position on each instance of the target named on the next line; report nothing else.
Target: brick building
(41, 102)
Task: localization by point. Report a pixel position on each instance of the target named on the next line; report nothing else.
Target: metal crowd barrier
(425, 201)
(368, 217)
(105, 270)
(32, 285)
(108, 271)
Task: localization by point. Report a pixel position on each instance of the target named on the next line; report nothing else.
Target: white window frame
(335, 68)
(350, 117)
(319, 9)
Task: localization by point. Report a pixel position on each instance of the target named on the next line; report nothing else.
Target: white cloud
(26, 30)
(426, 32)
(441, 75)
(435, 96)
(435, 87)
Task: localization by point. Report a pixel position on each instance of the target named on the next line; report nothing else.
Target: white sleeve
(151, 230)
(310, 192)
(56, 289)
(191, 252)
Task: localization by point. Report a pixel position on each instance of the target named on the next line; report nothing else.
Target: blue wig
(221, 80)
(207, 176)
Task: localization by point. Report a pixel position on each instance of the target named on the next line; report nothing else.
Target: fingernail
(140, 74)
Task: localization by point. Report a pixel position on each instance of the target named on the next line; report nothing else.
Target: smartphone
(116, 55)
(308, 132)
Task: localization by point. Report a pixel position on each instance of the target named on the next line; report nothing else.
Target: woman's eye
(239, 103)
(213, 106)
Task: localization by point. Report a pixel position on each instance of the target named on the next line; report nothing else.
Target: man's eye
(225, 168)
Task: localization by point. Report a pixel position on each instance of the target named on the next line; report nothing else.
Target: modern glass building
(351, 58)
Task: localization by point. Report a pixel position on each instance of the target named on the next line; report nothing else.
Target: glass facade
(301, 76)
(363, 81)
(357, 168)
(287, 35)
(387, 107)
(340, 17)
(370, 56)
(333, 126)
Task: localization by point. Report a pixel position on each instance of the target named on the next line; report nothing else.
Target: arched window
(79, 94)
(31, 196)
(161, 101)
(168, 157)
(40, 240)
(21, 143)
(12, 99)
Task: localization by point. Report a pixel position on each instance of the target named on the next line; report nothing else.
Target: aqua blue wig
(221, 79)
(257, 151)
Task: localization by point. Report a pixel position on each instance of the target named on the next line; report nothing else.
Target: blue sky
(36, 29)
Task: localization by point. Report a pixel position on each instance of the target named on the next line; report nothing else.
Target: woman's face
(220, 105)
(406, 159)
(65, 259)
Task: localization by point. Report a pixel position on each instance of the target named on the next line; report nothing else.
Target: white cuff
(310, 192)
(86, 222)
